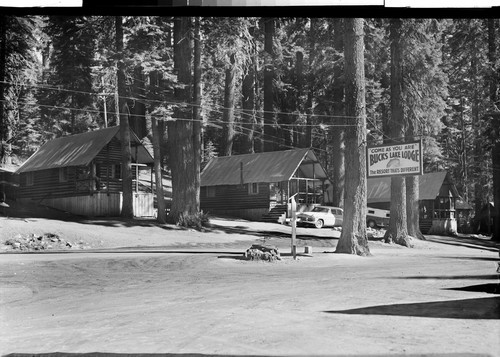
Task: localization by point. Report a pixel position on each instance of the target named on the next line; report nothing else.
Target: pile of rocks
(45, 241)
(375, 233)
(262, 252)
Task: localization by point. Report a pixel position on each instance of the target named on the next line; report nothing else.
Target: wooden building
(258, 186)
(9, 182)
(81, 174)
(437, 198)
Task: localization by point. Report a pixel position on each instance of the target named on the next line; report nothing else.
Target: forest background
(256, 84)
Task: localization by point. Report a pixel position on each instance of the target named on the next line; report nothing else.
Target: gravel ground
(137, 287)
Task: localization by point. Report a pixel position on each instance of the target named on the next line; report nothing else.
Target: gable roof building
(270, 167)
(81, 174)
(80, 150)
(431, 185)
(250, 185)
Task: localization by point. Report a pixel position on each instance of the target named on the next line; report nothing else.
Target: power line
(171, 119)
(146, 101)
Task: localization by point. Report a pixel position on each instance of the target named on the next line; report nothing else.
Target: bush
(197, 220)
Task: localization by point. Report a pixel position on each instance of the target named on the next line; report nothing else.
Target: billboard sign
(394, 160)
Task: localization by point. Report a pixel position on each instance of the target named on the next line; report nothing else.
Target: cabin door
(143, 204)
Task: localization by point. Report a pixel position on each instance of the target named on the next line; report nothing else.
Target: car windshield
(320, 209)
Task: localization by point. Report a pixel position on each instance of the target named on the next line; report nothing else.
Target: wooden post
(151, 182)
(241, 173)
(136, 178)
(294, 228)
(108, 173)
(314, 184)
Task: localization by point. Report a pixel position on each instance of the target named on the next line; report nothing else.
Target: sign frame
(394, 152)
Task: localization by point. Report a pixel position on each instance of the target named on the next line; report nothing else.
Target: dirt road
(437, 298)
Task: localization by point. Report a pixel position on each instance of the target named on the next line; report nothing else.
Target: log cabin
(437, 197)
(81, 174)
(258, 186)
(9, 183)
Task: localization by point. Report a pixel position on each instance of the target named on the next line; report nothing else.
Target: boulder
(262, 252)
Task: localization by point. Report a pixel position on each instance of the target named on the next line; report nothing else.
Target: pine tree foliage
(59, 76)
(71, 61)
(20, 66)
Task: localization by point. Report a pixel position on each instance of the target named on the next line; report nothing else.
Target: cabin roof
(430, 186)
(272, 166)
(78, 150)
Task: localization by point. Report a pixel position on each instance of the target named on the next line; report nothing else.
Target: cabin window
(63, 174)
(444, 208)
(116, 171)
(30, 178)
(210, 191)
(253, 188)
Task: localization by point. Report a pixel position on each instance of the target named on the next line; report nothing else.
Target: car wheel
(319, 223)
(372, 224)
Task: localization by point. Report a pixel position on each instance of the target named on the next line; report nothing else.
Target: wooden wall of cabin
(47, 183)
(234, 197)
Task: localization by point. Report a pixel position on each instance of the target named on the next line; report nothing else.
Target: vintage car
(321, 216)
(377, 218)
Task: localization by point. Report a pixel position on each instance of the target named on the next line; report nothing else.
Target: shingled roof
(272, 166)
(77, 150)
(379, 188)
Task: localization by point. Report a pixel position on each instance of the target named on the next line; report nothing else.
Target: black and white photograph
(200, 178)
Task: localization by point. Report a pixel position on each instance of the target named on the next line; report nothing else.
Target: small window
(253, 188)
(116, 171)
(371, 211)
(30, 178)
(63, 174)
(210, 191)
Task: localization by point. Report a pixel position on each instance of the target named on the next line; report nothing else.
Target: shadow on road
(107, 354)
(482, 288)
(449, 277)
(479, 308)
(469, 242)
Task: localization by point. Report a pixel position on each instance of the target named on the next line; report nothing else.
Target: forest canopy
(264, 84)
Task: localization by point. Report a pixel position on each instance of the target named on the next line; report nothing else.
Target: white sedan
(321, 216)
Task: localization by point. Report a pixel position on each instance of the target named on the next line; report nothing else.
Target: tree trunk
(3, 64)
(412, 207)
(160, 197)
(353, 239)
(248, 103)
(496, 184)
(495, 152)
(338, 145)
(185, 197)
(412, 195)
(127, 206)
(478, 152)
(299, 73)
(228, 113)
(197, 144)
(310, 93)
(397, 231)
(138, 111)
(269, 131)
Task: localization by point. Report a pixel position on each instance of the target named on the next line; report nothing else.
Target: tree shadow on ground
(108, 354)
(482, 288)
(449, 277)
(214, 228)
(479, 308)
(491, 259)
(468, 242)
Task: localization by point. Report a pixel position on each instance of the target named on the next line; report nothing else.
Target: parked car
(377, 218)
(321, 216)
